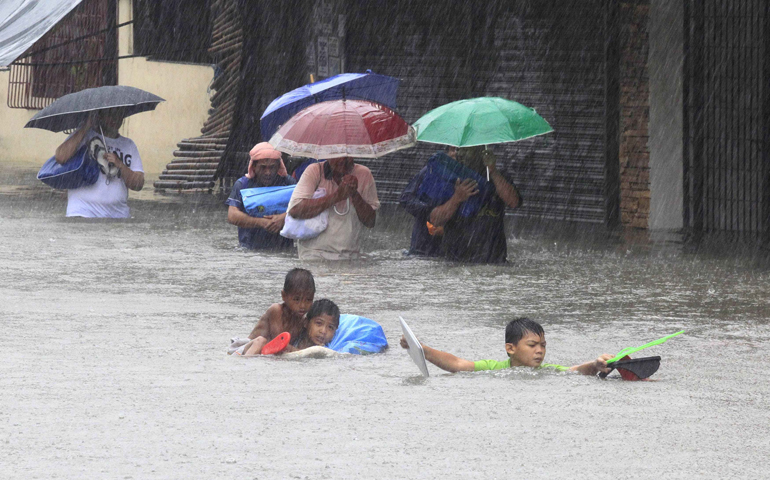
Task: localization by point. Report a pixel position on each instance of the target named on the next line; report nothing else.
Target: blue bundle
(261, 201)
(358, 335)
(79, 171)
(438, 186)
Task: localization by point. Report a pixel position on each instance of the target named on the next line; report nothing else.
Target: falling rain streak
(645, 213)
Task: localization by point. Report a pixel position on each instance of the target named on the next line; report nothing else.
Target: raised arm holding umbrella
(107, 123)
(341, 170)
(97, 114)
(479, 159)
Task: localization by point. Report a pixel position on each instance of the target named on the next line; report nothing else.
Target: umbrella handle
(103, 139)
(346, 211)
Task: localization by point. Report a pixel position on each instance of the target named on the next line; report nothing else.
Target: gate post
(612, 114)
(696, 47)
(765, 208)
(110, 65)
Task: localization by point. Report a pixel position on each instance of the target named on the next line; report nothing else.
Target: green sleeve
(558, 368)
(496, 365)
(491, 365)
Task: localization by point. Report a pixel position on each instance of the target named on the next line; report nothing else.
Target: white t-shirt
(107, 198)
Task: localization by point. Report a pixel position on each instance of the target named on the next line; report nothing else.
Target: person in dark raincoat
(478, 238)
(424, 241)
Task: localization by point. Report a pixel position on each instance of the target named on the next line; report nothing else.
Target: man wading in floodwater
(478, 238)
(266, 169)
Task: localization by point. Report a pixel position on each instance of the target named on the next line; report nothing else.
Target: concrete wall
(22, 148)
(184, 86)
(665, 70)
(155, 133)
(181, 116)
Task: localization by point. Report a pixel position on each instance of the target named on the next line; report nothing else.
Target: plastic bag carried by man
(266, 169)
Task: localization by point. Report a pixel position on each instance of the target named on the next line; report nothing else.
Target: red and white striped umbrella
(344, 128)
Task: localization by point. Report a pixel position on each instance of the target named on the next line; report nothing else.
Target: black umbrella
(70, 111)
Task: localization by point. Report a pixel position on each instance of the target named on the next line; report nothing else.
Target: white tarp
(23, 22)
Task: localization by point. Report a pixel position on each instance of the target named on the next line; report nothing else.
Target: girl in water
(321, 324)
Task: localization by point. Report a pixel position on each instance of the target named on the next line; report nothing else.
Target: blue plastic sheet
(261, 201)
(358, 335)
(438, 186)
(79, 171)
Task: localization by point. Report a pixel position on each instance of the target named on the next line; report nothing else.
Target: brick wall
(634, 114)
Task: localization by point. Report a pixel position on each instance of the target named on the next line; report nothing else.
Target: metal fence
(80, 52)
(528, 51)
(725, 139)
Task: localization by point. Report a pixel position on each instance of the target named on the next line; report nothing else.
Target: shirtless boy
(289, 316)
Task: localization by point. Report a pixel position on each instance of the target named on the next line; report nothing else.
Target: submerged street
(113, 363)
(172, 172)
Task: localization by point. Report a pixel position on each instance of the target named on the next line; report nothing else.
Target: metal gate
(553, 59)
(545, 54)
(726, 112)
(80, 52)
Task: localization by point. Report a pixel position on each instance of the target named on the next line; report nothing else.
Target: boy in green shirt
(525, 345)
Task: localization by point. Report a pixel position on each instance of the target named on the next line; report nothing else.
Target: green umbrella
(480, 121)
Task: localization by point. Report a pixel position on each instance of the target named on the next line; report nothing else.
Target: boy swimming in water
(525, 346)
(289, 316)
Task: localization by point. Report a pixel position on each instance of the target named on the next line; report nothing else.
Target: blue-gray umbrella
(70, 111)
(345, 86)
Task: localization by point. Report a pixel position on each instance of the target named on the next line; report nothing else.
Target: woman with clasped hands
(351, 199)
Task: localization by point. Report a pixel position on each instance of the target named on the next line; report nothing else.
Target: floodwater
(113, 364)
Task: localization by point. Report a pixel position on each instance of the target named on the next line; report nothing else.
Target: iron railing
(725, 119)
(80, 52)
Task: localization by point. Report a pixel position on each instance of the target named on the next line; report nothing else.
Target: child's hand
(601, 362)
(403, 343)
